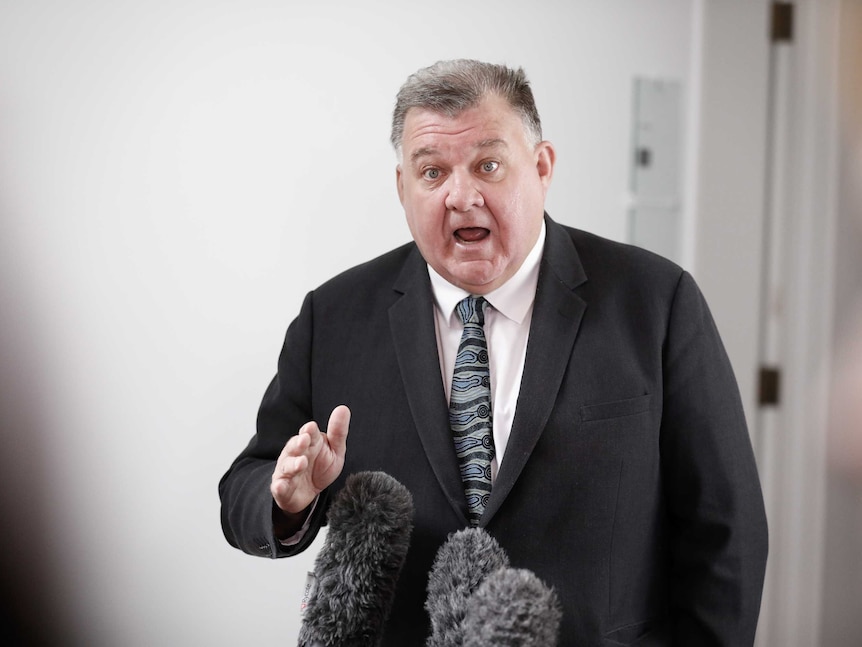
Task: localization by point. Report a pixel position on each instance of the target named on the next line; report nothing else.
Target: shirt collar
(513, 299)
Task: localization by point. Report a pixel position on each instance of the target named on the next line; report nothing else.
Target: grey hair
(450, 87)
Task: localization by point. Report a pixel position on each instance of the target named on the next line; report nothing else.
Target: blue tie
(470, 407)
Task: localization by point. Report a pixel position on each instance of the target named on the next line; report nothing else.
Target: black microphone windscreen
(462, 563)
(512, 608)
(357, 568)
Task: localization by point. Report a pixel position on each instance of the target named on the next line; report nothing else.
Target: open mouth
(471, 234)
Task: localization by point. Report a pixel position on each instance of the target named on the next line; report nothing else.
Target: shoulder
(604, 256)
(611, 266)
(366, 290)
(381, 271)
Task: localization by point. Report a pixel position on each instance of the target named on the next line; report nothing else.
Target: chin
(474, 286)
(477, 271)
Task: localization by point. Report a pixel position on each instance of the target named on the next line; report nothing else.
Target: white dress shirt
(507, 329)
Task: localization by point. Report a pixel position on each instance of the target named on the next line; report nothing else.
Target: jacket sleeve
(718, 523)
(247, 506)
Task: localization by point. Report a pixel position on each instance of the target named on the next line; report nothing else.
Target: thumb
(336, 430)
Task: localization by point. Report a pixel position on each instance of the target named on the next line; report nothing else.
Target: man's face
(473, 189)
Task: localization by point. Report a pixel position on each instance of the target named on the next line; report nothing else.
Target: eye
(431, 173)
(489, 166)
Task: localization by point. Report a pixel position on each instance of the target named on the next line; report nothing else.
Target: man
(621, 472)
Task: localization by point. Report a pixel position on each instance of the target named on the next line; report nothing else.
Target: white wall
(174, 176)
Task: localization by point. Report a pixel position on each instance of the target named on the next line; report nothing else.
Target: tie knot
(472, 310)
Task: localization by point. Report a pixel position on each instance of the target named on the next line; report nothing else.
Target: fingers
(292, 485)
(296, 454)
(291, 478)
(310, 461)
(291, 466)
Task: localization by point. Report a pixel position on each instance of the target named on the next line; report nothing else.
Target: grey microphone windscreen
(357, 568)
(462, 563)
(512, 608)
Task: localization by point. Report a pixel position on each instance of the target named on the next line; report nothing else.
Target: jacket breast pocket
(616, 408)
(653, 633)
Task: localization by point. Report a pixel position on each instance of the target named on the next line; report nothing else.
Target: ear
(545, 158)
(399, 183)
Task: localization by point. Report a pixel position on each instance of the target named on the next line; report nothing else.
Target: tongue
(472, 234)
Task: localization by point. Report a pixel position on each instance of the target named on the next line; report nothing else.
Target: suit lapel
(557, 314)
(411, 320)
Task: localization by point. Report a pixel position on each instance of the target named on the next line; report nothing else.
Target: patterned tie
(470, 407)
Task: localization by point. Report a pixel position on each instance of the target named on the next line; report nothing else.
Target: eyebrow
(427, 151)
(492, 143)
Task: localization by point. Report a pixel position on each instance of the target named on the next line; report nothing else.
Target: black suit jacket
(628, 483)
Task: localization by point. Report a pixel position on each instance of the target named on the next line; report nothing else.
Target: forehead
(491, 123)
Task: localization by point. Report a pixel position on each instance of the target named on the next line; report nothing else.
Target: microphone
(370, 523)
(462, 563)
(512, 608)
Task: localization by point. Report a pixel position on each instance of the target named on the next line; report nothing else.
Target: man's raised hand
(310, 462)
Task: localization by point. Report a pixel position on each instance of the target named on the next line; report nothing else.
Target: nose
(463, 193)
